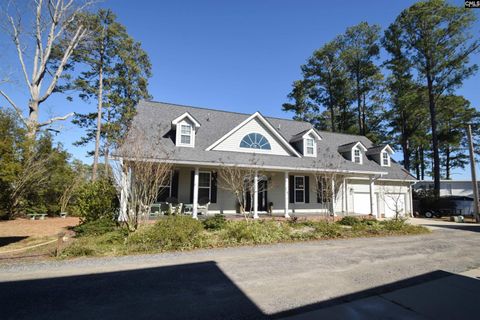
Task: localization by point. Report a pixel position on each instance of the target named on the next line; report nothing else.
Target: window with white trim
(204, 185)
(357, 156)
(309, 145)
(299, 189)
(186, 134)
(385, 159)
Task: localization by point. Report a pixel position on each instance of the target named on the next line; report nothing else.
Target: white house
(286, 157)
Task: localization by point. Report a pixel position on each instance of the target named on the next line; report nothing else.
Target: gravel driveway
(232, 283)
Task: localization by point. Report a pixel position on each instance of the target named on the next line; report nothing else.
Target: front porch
(273, 193)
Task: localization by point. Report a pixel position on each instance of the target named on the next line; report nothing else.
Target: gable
(254, 125)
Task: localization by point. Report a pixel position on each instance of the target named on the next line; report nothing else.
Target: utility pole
(474, 174)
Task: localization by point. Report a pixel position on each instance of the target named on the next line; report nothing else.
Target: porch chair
(202, 206)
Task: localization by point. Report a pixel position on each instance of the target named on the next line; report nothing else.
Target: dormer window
(186, 134)
(306, 142)
(309, 147)
(185, 127)
(385, 159)
(357, 156)
(381, 154)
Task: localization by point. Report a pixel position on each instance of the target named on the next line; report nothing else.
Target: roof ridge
(249, 114)
(225, 111)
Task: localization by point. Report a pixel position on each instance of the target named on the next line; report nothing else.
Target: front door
(262, 197)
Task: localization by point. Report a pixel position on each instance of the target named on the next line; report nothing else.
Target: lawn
(179, 233)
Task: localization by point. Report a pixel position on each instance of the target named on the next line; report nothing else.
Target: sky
(231, 55)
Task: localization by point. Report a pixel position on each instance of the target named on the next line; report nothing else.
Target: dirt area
(36, 228)
(26, 239)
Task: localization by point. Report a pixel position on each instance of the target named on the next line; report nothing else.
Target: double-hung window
(385, 159)
(204, 185)
(310, 147)
(357, 156)
(186, 134)
(299, 189)
(165, 189)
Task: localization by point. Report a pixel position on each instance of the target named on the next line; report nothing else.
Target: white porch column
(344, 204)
(410, 198)
(345, 192)
(123, 193)
(255, 196)
(286, 195)
(334, 200)
(195, 194)
(372, 186)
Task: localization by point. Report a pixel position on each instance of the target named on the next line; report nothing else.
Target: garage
(361, 203)
(394, 202)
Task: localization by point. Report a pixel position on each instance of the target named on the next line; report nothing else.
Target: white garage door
(361, 203)
(394, 202)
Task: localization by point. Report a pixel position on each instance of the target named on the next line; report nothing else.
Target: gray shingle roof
(154, 119)
(375, 149)
(348, 146)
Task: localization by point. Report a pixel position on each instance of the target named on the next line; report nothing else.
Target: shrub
(393, 225)
(95, 227)
(324, 229)
(255, 232)
(216, 222)
(349, 221)
(170, 233)
(97, 199)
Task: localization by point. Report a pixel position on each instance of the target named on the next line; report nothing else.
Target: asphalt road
(235, 283)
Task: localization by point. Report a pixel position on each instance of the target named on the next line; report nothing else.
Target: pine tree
(435, 36)
(115, 75)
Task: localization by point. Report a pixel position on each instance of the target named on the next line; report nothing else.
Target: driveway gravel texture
(230, 283)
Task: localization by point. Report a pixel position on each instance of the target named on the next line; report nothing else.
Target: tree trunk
(99, 121)
(32, 122)
(447, 162)
(364, 116)
(422, 163)
(433, 124)
(99, 114)
(417, 164)
(406, 154)
(359, 106)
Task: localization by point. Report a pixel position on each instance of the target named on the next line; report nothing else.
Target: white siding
(232, 143)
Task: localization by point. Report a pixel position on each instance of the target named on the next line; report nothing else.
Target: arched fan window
(255, 141)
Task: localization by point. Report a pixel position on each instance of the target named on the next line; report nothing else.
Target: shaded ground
(246, 282)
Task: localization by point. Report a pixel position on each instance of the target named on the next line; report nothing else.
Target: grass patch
(177, 233)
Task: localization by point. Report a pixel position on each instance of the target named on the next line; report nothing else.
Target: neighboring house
(288, 154)
(448, 187)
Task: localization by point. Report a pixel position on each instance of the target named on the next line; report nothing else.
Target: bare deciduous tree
(33, 175)
(240, 181)
(327, 181)
(54, 21)
(139, 176)
(394, 199)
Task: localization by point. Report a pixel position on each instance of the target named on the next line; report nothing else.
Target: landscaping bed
(178, 233)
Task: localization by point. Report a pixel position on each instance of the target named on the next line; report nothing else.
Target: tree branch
(79, 34)
(16, 40)
(17, 109)
(52, 120)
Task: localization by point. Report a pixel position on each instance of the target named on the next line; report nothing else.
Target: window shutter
(319, 190)
(175, 184)
(213, 191)
(291, 189)
(192, 175)
(307, 189)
